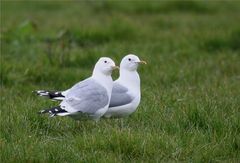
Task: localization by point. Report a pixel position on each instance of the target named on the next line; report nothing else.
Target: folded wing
(120, 96)
(87, 96)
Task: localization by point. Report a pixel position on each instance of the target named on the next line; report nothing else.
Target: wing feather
(87, 96)
(120, 96)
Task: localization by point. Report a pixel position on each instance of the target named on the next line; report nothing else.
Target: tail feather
(54, 95)
(57, 110)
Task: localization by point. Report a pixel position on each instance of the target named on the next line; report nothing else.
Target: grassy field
(190, 108)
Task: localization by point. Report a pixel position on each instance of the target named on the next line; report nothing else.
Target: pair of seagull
(98, 95)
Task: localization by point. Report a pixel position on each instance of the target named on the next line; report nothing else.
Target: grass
(190, 108)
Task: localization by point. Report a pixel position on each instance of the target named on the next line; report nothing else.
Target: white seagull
(88, 98)
(126, 92)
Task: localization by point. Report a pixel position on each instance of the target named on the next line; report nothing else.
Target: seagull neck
(130, 77)
(104, 79)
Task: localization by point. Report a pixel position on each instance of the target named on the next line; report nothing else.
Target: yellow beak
(142, 62)
(115, 67)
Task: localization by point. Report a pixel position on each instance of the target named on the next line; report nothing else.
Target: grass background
(190, 108)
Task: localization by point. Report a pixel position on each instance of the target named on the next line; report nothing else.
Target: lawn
(190, 107)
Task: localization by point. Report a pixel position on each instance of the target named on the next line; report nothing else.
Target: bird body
(126, 94)
(90, 97)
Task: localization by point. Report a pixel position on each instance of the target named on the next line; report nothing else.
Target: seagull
(126, 92)
(87, 99)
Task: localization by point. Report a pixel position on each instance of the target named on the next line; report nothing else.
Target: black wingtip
(52, 111)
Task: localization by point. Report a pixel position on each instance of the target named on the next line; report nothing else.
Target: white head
(105, 66)
(130, 62)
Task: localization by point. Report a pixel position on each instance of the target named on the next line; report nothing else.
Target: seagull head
(105, 66)
(130, 62)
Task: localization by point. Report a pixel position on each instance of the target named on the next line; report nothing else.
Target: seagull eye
(129, 59)
(105, 61)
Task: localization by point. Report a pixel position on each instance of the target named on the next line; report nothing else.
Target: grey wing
(87, 97)
(119, 96)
